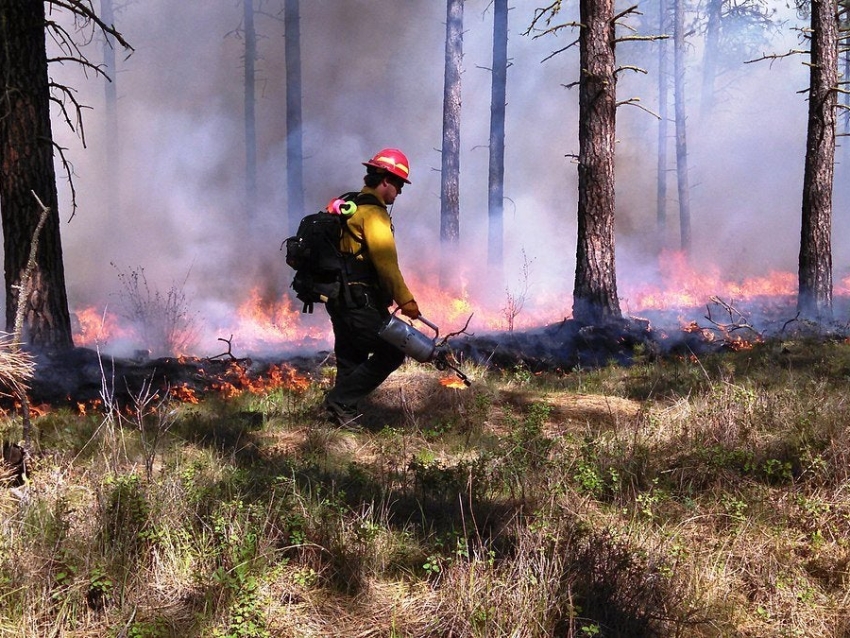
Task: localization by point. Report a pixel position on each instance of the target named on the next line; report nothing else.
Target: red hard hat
(393, 161)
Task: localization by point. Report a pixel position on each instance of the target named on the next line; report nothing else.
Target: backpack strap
(361, 199)
(368, 199)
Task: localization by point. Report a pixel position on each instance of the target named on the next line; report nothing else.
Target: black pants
(363, 359)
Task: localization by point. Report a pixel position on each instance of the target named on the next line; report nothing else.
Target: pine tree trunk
(663, 85)
(294, 124)
(814, 299)
(26, 164)
(595, 295)
(450, 168)
(250, 109)
(682, 181)
(496, 174)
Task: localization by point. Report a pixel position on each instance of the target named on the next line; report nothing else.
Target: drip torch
(419, 346)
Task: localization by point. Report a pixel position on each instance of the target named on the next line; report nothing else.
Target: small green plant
(126, 511)
(156, 628)
(246, 618)
(305, 577)
(100, 588)
(647, 501)
(433, 565)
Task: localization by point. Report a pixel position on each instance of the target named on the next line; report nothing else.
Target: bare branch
(629, 67)
(561, 50)
(641, 38)
(69, 172)
(85, 11)
(777, 56)
(631, 10)
(462, 331)
(634, 101)
(546, 12)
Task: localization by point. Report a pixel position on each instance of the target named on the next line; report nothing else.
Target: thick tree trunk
(682, 181)
(294, 124)
(814, 299)
(250, 109)
(496, 174)
(595, 295)
(26, 164)
(450, 165)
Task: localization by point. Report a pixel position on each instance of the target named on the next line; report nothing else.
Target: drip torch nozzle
(441, 363)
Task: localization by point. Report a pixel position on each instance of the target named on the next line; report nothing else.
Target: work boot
(343, 415)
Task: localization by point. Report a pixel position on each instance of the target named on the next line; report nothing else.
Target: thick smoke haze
(373, 77)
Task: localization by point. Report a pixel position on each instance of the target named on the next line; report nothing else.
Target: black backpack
(322, 271)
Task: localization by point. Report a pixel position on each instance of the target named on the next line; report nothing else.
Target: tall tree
(26, 166)
(663, 98)
(250, 106)
(814, 299)
(294, 124)
(450, 159)
(682, 178)
(735, 30)
(595, 291)
(496, 173)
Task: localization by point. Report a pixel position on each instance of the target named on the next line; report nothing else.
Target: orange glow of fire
(453, 382)
(97, 327)
(184, 394)
(686, 286)
(261, 322)
(236, 382)
(83, 408)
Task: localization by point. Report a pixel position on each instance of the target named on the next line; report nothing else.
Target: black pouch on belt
(358, 296)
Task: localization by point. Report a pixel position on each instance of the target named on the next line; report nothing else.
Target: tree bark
(26, 164)
(250, 109)
(496, 173)
(682, 181)
(450, 161)
(595, 295)
(294, 123)
(814, 299)
(663, 86)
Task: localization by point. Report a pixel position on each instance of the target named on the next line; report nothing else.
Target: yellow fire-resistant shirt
(371, 225)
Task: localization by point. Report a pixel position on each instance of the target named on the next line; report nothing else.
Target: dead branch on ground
(737, 319)
(228, 353)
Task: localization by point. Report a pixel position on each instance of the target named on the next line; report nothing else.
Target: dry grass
(678, 498)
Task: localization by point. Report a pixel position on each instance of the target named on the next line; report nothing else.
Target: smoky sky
(372, 75)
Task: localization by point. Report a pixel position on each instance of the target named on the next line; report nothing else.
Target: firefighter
(363, 359)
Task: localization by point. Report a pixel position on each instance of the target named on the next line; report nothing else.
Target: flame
(261, 323)
(184, 394)
(235, 381)
(96, 327)
(688, 287)
(453, 382)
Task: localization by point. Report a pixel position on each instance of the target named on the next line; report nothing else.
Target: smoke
(373, 77)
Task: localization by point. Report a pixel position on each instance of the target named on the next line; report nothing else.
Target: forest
(180, 178)
(627, 218)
